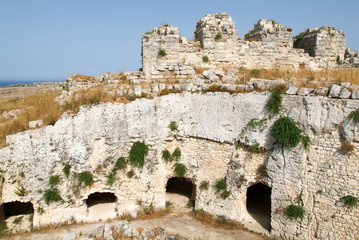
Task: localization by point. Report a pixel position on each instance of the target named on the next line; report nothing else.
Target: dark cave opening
(100, 197)
(259, 204)
(181, 186)
(17, 208)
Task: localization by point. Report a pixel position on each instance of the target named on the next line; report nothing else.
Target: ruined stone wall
(216, 45)
(324, 43)
(208, 127)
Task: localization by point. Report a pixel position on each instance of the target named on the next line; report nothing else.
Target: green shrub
(256, 148)
(176, 154)
(86, 178)
(111, 179)
(305, 141)
(173, 126)
(121, 163)
(52, 195)
(274, 103)
(295, 212)
(66, 170)
(205, 59)
(350, 201)
(225, 194)
(137, 154)
(354, 116)
(162, 53)
(21, 191)
(218, 37)
(262, 171)
(179, 170)
(204, 185)
(221, 185)
(286, 132)
(166, 155)
(54, 180)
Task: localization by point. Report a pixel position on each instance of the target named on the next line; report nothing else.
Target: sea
(6, 83)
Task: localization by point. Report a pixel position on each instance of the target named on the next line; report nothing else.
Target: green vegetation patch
(179, 170)
(173, 126)
(350, 201)
(218, 37)
(295, 212)
(166, 155)
(54, 180)
(111, 179)
(274, 103)
(86, 178)
(162, 53)
(286, 132)
(52, 195)
(121, 163)
(66, 170)
(354, 116)
(176, 154)
(137, 154)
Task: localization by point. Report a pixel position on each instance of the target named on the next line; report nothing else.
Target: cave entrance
(101, 205)
(17, 208)
(181, 192)
(259, 204)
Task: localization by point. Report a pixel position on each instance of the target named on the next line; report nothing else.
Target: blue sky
(52, 39)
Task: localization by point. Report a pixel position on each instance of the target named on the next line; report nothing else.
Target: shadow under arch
(259, 204)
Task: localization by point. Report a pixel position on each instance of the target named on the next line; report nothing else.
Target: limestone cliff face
(209, 125)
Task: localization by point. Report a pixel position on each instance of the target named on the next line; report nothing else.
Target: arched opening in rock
(181, 192)
(17, 216)
(17, 208)
(259, 204)
(101, 205)
(100, 197)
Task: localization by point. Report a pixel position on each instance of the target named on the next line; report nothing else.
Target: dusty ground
(177, 223)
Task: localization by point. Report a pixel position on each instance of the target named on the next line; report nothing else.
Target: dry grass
(347, 148)
(34, 107)
(336, 76)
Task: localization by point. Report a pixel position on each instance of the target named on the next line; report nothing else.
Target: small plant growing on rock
(52, 195)
(218, 37)
(204, 185)
(130, 173)
(295, 212)
(111, 179)
(287, 133)
(137, 154)
(205, 59)
(86, 178)
(162, 53)
(190, 203)
(350, 201)
(225, 194)
(274, 103)
(173, 126)
(176, 154)
(347, 148)
(121, 163)
(149, 209)
(221, 185)
(21, 191)
(256, 148)
(66, 170)
(179, 170)
(168, 205)
(354, 116)
(54, 180)
(166, 155)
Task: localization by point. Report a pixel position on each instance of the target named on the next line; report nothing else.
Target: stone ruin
(216, 134)
(216, 45)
